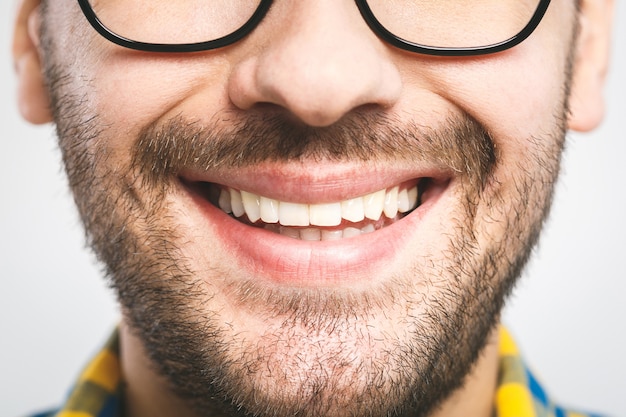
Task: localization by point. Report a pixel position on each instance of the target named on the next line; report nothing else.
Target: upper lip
(311, 183)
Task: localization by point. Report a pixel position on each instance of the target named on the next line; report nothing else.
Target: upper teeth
(371, 206)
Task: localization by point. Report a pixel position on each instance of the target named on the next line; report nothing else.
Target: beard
(398, 349)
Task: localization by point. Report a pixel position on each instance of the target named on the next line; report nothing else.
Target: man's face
(374, 302)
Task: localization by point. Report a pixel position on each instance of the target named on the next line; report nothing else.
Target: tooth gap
(422, 185)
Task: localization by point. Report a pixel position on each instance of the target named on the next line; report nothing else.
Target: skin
(312, 66)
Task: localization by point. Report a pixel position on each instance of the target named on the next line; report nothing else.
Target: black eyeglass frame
(364, 9)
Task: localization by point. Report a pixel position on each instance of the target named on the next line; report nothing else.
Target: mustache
(459, 144)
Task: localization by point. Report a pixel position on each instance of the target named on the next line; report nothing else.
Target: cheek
(518, 95)
(136, 89)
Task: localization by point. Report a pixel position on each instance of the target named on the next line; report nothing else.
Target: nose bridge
(318, 61)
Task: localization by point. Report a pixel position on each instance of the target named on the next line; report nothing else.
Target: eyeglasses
(433, 27)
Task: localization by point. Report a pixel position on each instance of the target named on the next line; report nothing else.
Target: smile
(331, 227)
(319, 222)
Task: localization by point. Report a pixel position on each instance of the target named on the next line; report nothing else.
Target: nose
(317, 60)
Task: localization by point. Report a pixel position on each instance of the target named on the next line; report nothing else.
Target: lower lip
(287, 261)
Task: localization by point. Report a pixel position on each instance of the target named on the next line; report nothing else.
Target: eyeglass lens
(436, 23)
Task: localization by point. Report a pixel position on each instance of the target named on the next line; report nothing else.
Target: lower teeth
(314, 234)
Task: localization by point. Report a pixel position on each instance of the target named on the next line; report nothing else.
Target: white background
(567, 314)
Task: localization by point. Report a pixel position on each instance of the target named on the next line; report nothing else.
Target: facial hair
(323, 352)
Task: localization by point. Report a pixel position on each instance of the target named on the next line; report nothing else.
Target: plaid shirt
(98, 391)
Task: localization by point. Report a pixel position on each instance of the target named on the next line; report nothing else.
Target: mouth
(315, 230)
(318, 222)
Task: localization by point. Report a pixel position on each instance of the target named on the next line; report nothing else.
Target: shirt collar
(98, 392)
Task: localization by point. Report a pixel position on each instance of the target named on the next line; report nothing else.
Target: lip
(286, 261)
(315, 183)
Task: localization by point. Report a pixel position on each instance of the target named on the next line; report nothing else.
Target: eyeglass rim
(364, 9)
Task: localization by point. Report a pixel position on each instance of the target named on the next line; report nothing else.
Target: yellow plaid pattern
(98, 391)
(519, 394)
